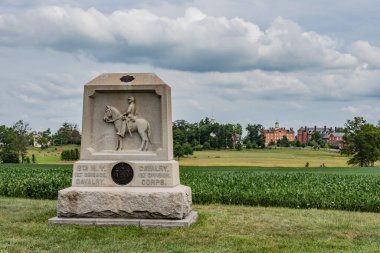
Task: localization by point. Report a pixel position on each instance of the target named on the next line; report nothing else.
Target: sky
(298, 62)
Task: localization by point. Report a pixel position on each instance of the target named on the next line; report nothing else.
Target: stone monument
(126, 174)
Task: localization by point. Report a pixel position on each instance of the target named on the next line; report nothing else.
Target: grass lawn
(280, 157)
(24, 228)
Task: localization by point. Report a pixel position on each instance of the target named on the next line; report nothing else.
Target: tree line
(15, 140)
(361, 139)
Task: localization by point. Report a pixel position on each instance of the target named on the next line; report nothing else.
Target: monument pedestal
(125, 202)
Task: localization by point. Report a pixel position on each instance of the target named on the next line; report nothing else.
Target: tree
(365, 146)
(350, 131)
(21, 129)
(8, 145)
(178, 151)
(187, 149)
(43, 138)
(255, 135)
(68, 133)
(284, 142)
(317, 138)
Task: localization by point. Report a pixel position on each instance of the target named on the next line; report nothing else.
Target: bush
(187, 149)
(198, 147)
(206, 145)
(9, 157)
(70, 155)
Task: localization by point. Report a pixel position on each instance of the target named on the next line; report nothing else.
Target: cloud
(367, 53)
(365, 110)
(192, 42)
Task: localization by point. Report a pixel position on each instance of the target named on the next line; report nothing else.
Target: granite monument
(126, 174)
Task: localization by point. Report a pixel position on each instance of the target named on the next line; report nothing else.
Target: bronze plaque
(122, 173)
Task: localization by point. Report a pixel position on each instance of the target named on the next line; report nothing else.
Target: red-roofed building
(277, 133)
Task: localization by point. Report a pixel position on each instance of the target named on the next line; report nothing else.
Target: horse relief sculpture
(127, 123)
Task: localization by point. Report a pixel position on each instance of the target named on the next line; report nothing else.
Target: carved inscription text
(90, 175)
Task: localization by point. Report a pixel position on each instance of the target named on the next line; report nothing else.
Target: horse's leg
(143, 138)
(142, 143)
(145, 141)
(120, 143)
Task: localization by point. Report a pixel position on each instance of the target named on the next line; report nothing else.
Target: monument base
(145, 223)
(172, 203)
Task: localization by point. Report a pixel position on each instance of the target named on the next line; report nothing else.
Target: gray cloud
(193, 42)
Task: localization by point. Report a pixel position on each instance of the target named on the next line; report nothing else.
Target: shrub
(198, 147)
(9, 157)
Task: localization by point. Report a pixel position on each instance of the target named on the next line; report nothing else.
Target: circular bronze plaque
(122, 173)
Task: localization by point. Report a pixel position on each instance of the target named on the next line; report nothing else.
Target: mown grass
(279, 157)
(24, 228)
(275, 157)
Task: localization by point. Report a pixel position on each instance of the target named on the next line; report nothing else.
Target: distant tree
(313, 144)
(238, 146)
(248, 145)
(255, 135)
(187, 149)
(283, 142)
(317, 138)
(43, 138)
(365, 146)
(21, 129)
(351, 129)
(206, 145)
(68, 133)
(198, 147)
(8, 146)
(178, 151)
(33, 158)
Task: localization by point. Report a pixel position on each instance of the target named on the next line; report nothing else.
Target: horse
(113, 115)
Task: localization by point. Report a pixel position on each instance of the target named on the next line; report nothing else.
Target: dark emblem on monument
(122, 173)
(127, 123)
(127, 79)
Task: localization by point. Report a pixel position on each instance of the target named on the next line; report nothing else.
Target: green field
(280, 157)
(354, 189)
(24, 228)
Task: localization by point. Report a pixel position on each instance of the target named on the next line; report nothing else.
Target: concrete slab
(111, 222)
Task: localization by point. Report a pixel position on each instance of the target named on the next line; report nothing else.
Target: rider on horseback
(128, 117)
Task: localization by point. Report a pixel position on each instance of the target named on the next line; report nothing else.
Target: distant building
(277, 133)
(336, 139)
(329, 135)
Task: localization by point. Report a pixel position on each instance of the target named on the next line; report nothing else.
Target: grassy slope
(285, 157)
(23, 228)
(51, 154)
